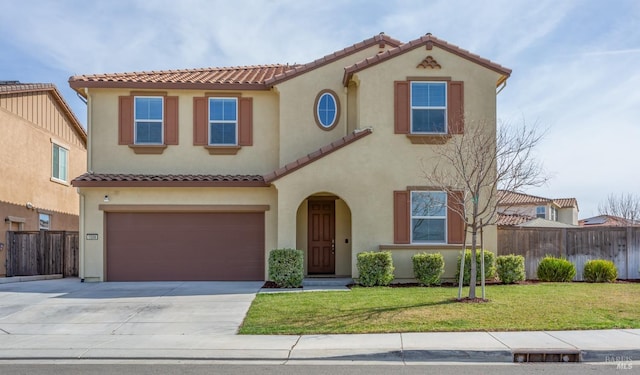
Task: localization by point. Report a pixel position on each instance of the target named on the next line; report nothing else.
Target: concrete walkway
(65, 319)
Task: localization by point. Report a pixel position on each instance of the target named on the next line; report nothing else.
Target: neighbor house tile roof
(258, 77)
(429, 41)
(512, 219)
(509, 198)
(183, 180)
(15, 87)
(566, 202)
(606, 221)
(318, 154)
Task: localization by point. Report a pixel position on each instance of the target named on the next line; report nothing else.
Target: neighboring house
(517, 208)
(607, 221)
(197, 174)
(42, 147)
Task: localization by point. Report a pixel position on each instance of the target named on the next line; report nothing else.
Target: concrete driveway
(69, 307)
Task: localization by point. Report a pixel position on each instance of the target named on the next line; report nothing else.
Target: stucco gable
(428, 41)
(318, 154)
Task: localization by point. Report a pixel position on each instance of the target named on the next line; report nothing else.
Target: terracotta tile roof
(318, 154)
(238, 77)
(428, 41)
(258, 77)
(566, 202)
(15, 87)
(512, 219)
(380, 39)
(509, 198)
(167, 180)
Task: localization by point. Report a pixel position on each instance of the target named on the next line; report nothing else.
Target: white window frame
(446, 103)
(335, 110)
(210, 122)
(543, 213)
(553, 214)
(40, 226)
(446, 204)
(136, 120)
(55, 169)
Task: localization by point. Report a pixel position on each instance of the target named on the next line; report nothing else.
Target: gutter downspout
(89, 138)
(501, 87)
(82, 238)
(83, 216)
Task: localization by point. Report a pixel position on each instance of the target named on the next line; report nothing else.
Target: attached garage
(185, 246)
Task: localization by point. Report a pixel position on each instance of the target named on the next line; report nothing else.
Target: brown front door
(322, 233)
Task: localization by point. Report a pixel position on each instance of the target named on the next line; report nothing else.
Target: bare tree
(626, 206)
(474, 165)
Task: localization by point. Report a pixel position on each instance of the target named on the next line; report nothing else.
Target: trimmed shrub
(510, 268)
(555, 269)
(600, 271)
(489, 266)
(428, 268)
(286, 267)
(375, 268)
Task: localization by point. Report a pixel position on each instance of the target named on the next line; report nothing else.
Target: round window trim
(315, 109)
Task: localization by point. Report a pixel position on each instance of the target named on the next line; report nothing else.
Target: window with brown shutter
(437, 214)
(454, 111)
(231, 132)
(127, 123)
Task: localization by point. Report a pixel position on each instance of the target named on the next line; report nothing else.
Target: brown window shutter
(125, 120)
(401, 217)
(170, 120)
(455, 109)
(402, 107)
(455, 222)
(200, 121)
(245, 121)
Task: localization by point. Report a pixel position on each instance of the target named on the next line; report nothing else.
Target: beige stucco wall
(92, 257)
(299, 134)
(109, 157)
(29, 125)
(568, 215)
(365, 173)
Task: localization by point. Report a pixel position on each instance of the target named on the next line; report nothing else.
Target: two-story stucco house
(198, 174)
(523, 209)
(42, 147)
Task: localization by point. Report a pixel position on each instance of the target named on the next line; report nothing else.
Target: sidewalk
(591, 346)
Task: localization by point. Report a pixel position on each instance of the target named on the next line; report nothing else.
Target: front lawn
(541, 306)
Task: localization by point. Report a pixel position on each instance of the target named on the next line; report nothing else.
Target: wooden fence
(621, 245)
(42, 253)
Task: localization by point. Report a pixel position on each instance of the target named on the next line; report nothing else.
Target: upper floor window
(327, 110)
(541, 212)
(223, 121)
(429, 107)
(428, 217)
(60, 162)
(148, 120)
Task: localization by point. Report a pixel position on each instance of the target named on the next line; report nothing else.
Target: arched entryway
(323, 232)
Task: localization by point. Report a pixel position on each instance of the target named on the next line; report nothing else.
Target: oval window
(327, 110)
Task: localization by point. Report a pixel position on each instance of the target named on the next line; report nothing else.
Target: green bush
(428, 268)
(555, 269)
(489, 266)
(600, 271)
(510, 268)
(286, 267)
(375, 268)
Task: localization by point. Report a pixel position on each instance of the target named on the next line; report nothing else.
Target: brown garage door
(185, 246)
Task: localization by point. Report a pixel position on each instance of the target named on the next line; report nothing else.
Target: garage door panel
(185, 246)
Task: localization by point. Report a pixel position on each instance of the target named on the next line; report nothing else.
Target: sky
(576, 63)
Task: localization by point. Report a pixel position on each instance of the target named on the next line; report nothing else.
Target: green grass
(543, 306)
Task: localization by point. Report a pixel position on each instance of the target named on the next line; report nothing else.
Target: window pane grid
(223, 121)
(327, 110)
(428, 217)
(148, 120)
(428, 107)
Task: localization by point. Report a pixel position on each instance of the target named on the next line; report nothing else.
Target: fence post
(627, 251)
